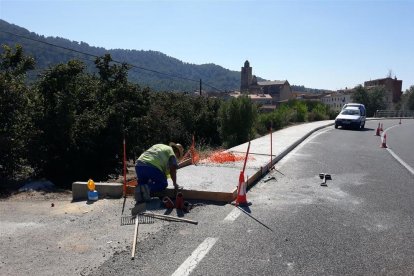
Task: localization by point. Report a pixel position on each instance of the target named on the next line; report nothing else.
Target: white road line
(195, 257)
(411, 170)
(233, 215)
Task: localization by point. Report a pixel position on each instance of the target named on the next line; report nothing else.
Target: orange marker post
(124, 167)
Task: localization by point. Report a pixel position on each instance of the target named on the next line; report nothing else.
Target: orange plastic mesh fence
(223, 157)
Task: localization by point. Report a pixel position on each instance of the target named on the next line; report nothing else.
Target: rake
(130, 220)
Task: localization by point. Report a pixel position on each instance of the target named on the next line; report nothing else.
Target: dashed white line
(233, 215)
(195, 257)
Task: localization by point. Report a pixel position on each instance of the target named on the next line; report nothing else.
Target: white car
(350, 117)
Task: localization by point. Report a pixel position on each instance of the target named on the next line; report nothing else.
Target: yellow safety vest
(158, 156)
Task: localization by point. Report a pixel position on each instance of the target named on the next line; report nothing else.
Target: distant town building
(307, 96)
(279, 91)
(264, 101)
(392, 87)
(336, 100)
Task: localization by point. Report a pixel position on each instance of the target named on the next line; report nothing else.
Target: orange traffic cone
(378, 130)
(241, 199)
(384, 141)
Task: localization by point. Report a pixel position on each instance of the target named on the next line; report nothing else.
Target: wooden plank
(134, 242)
(201, 195)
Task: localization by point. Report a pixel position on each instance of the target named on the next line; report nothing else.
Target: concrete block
(80, 190)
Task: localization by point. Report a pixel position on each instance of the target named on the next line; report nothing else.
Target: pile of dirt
(39, 195)
(34, 190)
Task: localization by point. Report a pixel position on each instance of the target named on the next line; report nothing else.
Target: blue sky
(318, 44)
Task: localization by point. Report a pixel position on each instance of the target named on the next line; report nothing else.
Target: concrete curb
(112, 190)
(264, 170)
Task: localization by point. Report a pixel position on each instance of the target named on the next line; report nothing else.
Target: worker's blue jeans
(151, 176)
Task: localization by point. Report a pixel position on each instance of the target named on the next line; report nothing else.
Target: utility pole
(200, 87)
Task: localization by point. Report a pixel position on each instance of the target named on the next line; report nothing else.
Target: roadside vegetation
(373, 100)
(407, 99)
(70, 124)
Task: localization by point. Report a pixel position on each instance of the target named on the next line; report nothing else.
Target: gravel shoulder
(48, 234)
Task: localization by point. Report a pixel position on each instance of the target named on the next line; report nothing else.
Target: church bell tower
(246, 77)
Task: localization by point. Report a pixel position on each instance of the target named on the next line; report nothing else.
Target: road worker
(153, 168)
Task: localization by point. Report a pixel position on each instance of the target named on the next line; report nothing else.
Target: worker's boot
(142, 193)
(141, 196)
(139, 208)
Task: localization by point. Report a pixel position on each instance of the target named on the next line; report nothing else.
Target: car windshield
(350, 112)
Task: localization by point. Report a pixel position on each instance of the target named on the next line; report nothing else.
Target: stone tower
(246, 77)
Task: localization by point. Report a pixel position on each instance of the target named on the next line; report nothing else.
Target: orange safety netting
(224, 157)
(219, 156)
(192, 154)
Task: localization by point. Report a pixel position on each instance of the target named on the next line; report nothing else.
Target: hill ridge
(176, 75)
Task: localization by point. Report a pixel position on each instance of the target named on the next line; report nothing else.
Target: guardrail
(394, 113)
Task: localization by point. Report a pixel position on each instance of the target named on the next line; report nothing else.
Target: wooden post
(245, 159)
(271, 147)
(134, 242)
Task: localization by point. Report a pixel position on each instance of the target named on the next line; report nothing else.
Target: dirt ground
(48, 234)
(45, 233)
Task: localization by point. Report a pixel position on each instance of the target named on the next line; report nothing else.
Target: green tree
(301, 111)
(123, 106)
(16, 103)
(410, 101)
(360, 96)
(178, 116)
(237, 121)
(373, 100)
(376, 101)
(83, 121)
(59, 89)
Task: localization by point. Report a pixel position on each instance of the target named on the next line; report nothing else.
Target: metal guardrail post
(394, 113)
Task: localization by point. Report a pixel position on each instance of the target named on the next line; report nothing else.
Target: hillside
(150, 68)
(47, 55)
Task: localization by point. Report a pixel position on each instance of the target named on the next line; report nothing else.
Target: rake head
(130, 220)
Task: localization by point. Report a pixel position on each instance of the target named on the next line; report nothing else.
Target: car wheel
(336, 126)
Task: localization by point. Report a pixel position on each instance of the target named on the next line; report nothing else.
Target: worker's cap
(179, 148)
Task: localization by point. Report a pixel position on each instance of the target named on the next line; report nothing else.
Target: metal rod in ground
(241, 209)
(134, 242)
(280, 172)
(123, 206)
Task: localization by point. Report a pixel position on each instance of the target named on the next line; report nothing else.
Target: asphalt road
(361, 223)
(400, 139)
